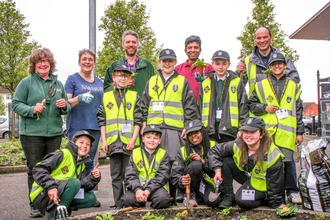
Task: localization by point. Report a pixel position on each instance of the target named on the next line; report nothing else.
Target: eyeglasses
(122, 76)
(42, 61)
(89, 59)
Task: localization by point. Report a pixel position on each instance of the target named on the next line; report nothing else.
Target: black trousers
(160, 199)
(118, 163)
(195, 171)
(230, 172)
(35, 149)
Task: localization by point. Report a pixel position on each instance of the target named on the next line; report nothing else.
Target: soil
(213, 214)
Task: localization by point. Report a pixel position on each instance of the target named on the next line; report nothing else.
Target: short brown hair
(81, 52)
(130, 32)
(37, 55)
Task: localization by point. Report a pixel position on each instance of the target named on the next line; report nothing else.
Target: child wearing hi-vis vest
(120, 118)
(276, 99)
(148, 172)
(222, 100)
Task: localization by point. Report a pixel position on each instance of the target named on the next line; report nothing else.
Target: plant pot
(199, 69)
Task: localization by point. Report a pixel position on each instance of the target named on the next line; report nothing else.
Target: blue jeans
(92, 152)
(290, 177)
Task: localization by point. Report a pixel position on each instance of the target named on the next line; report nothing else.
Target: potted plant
(200, 65)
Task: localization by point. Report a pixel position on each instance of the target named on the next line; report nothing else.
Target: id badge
(248, 194)
(218, 114)
(202, 187)
(282, 113)
(80, 194)
(158, 106)
(126, 128)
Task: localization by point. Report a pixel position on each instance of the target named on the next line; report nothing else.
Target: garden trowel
(213, 196)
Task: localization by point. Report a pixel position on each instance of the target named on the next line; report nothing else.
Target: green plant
(240, 218)
(225, 211)
(150, 216)
(105, 217)
(288, 210)
(200, 63)
(319, 216)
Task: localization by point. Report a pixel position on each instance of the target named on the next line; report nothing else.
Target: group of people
(163, 132)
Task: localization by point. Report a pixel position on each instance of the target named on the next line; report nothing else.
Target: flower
(200, 63)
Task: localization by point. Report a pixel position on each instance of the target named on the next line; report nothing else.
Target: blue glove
(86, 97)
(199, 78)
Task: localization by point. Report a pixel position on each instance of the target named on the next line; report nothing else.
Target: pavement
(14, 193)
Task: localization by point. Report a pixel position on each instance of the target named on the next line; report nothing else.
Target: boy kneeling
(148, 172)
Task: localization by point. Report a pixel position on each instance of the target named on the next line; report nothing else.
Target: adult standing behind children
(85, 92)
(193, 48)
(222, 100)
(276, 99)
(168, 102)
(257, 62)
(120, 119)
(136, 64)
(41, 123)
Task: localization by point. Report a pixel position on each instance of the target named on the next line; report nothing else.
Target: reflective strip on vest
(173, 113)
(115, 117)
(233, 101)
(258, 173)
(283, 130)
(141, 167)
(185, 158)
(65, 170)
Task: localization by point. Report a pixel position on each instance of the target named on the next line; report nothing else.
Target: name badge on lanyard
(126, 128)
(158, 106)
(248, 194)
(218, 114)
(282, 113)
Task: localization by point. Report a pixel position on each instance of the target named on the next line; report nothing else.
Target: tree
(14, 48)
(119, 17)
(263, 15)
(3, 105)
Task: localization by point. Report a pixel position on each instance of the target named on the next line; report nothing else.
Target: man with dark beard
(143, 69)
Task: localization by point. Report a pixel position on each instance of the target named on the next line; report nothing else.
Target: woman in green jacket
(44, 135)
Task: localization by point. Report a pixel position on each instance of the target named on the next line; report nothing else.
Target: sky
(63, 27)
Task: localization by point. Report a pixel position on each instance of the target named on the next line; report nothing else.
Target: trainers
(97, 204)
(227, 201)
(192, 199)
(35, 213)
(295, 198)
(179, 196)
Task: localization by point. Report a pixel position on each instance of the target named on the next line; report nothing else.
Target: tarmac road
(14, 193)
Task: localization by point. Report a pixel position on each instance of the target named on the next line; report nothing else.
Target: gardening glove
(199, 77)
(86, 97)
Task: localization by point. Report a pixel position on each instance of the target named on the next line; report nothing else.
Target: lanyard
(223, 88)
(129, 66)
(272, 87)
(152, 164)
(165, 87)
(123, 100)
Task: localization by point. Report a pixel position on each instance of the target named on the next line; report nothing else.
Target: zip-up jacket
(225, 126)
(144, 69)
(259, 109)
(132, 178)
(180, 163)
(254, 59)
(32, 90)
(42, 174)
(187, 99)
(275, 182)
(118, 146)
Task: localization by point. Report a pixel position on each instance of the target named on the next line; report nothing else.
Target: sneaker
(192, 199)
(295, 198)
(35, 213)
(227, 201)
(97, 204)
(179, 196)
